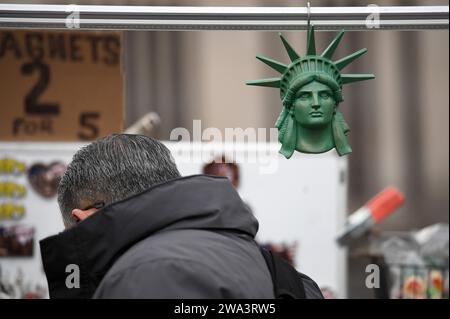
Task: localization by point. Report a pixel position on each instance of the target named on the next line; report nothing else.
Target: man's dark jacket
(191, 237)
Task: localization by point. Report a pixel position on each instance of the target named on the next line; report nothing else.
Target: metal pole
(92, 17)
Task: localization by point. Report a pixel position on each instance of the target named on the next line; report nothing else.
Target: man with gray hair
(136, 229)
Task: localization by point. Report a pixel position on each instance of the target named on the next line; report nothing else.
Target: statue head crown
(302, 71)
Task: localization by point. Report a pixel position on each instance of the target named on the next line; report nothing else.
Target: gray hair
(111, 169)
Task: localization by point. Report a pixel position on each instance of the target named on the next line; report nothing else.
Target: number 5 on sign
(58, 86)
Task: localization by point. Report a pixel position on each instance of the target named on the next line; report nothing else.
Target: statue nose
(315, 102)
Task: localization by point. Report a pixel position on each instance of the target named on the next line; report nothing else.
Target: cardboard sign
(60, 86)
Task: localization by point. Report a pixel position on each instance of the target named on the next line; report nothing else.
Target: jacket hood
(193, 202)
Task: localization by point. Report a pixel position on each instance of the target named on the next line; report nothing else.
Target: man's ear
(82, 214)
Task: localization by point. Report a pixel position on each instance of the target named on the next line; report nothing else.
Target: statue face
(314, 105)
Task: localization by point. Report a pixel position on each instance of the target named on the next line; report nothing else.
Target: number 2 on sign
(32, 105)
(89, 129)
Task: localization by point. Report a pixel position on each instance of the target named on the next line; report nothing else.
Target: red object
(385, 203)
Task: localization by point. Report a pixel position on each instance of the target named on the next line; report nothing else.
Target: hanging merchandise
(11, 166)
(12, 190)
(17, 240)
(11, 211)
(11, 193)
(311, 90)
(45, 178)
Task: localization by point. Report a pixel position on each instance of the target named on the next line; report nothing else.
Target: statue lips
(316, 114)
(45, 178)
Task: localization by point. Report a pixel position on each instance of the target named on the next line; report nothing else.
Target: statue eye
(304, 96)
(325, 95)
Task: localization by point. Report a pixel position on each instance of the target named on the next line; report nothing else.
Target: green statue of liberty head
(311, 90)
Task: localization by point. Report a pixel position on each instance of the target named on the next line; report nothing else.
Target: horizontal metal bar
(90, 17)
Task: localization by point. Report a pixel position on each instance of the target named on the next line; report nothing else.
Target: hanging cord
(308, 13)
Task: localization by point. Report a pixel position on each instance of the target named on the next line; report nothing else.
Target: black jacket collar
(194, 202)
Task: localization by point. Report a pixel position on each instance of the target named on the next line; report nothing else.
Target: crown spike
(342, 63)
(311, 46)
(350, 78)
(329, 51)
(280, 67)
(271, 82)
(291, 52)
